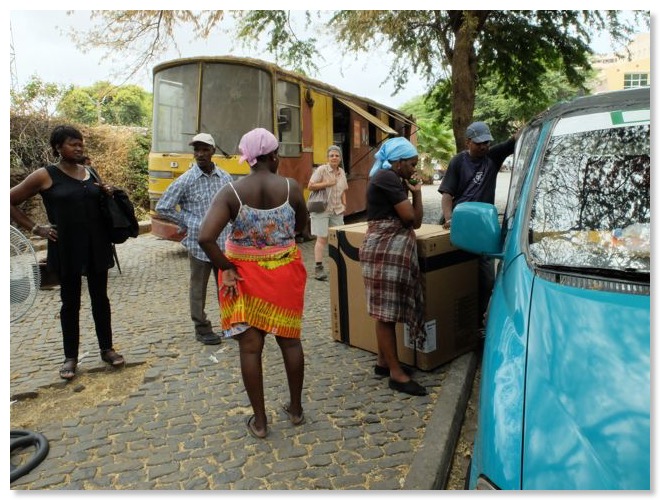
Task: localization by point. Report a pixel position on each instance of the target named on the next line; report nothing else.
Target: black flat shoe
(411, 387)
(112, 357)
(384, 371)
(68, 370)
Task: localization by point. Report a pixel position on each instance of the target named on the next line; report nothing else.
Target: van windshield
(592, 204)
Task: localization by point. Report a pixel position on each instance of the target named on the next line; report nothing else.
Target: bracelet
(34, 229)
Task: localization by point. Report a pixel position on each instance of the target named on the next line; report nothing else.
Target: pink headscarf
(255, 143)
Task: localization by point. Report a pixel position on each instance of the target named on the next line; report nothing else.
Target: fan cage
(24, 276)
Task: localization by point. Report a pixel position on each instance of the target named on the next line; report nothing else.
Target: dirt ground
(459, 468)
(63, 400)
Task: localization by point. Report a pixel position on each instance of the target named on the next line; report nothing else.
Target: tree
(461, 47)
(37, 98)
(434, 138)
(516, 46)
(102, 102)
(506, 114)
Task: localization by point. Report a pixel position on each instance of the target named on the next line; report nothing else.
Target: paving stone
(183, 427)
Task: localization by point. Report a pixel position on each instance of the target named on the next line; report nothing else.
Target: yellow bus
(227, 96)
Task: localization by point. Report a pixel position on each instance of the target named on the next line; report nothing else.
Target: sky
(41, 47)
(45, 54)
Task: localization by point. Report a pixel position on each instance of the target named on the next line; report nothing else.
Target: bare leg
(251, 344)
(387, 353)
(294, 364)
(319, 248)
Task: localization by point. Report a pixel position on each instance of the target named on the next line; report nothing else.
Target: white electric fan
(24, 276)
(24, 279)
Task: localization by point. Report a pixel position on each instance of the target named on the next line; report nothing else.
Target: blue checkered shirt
(193, 192)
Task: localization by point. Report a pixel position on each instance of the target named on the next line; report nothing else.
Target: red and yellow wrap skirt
(271, 295)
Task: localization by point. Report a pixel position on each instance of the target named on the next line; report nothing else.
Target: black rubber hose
(24, 439)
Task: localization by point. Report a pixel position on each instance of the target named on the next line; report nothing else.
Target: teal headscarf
(394, 149)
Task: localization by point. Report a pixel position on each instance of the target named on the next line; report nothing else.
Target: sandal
(68, 369)
(253, 430)
(295, 420)
(112, 357)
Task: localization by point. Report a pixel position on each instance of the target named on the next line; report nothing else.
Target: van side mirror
(475, 227)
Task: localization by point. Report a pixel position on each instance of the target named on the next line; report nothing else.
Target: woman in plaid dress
(388, 257)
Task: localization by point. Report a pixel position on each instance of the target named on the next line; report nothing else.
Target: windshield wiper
(630, 274)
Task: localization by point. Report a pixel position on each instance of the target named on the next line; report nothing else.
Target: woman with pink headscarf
(261, 273)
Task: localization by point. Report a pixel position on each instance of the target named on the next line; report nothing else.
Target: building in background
(627, 69)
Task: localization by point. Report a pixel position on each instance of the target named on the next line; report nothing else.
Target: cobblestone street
(180, 423)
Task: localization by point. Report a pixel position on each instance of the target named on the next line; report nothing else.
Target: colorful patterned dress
(270, 296)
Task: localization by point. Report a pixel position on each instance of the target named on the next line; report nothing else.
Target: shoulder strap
(287, 189)
(94, 174)
(231, 185)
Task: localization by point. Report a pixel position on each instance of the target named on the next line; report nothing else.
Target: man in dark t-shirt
(471, 176)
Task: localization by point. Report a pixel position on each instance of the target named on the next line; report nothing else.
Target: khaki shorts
(320, 222)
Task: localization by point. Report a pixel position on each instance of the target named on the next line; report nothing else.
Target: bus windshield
(234, 99)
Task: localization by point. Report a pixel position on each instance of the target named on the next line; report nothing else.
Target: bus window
(235, 99)
(175, 110)
(288, 118)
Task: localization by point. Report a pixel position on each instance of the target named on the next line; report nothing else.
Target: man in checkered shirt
(193, 193)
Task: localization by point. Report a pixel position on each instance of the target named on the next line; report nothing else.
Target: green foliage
(79, 106)
(506, 114)
(104, 103)
(436, 140)
(37, 97)
(289, 51)
(420, 109)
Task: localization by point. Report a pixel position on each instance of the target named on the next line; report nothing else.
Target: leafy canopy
(454, 48)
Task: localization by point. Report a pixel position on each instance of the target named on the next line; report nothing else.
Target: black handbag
(119, 213)
(317, 202)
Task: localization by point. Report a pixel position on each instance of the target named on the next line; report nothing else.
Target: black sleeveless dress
(83, 244)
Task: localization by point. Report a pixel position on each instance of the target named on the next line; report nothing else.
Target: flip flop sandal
(68, 369)
(252, 430)
(295, 420)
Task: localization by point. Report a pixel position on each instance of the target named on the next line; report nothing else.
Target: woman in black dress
(78, 241)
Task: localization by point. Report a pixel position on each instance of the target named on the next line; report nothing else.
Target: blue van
(565, 395)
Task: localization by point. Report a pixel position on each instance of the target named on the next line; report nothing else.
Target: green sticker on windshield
(621, 118)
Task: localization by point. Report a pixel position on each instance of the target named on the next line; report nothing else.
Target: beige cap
(205, 138)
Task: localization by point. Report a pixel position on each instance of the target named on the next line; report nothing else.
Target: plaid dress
(390, 269)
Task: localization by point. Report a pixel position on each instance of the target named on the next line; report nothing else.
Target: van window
(592, 203)
(524, 149)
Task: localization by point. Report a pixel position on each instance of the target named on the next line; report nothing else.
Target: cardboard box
(449, 281)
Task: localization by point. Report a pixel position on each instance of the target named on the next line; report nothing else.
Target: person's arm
(216, 219)
(499, 152)
(34, 183)
(317, 181)
(345, 186)
(166, 206)
(411, 213)
(447, 203)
